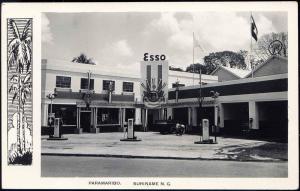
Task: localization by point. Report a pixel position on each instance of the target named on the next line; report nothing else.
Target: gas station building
(256, 101)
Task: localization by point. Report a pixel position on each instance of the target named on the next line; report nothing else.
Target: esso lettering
(151, 57)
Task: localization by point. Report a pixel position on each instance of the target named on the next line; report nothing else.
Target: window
(63, 82)
(179, 85)
(127, 86)
(106, 84)
(84, 83)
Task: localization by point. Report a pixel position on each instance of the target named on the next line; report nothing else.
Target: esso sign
(150, 57)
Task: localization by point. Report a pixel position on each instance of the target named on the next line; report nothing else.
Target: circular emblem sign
(275, 47)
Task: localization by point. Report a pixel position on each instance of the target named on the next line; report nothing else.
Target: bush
(25, 159)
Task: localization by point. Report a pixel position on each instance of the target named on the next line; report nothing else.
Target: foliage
(224, 58)
(19, 48)
(23, 86)
(175, 69)
(82, 58)
(24, 159)
(195, 68)
(19, 56)
(264, 41)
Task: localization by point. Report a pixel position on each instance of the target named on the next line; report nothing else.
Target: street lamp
(51, 116)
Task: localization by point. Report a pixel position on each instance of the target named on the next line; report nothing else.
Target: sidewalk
(155, 145)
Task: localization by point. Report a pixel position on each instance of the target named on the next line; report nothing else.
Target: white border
(29, 177)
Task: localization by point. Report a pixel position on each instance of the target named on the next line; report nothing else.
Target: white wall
(52, 69)
(189, 79)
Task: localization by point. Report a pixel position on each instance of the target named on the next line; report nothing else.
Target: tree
(82, 58)
(175, 69)
(195, 68)
(262, 45)
(19, 56)
(22, 89)
(224, 58)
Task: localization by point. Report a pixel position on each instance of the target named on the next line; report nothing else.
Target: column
(194, 116)
(96, 116)
(189, 116)
(221, 113)
(253, 113)
(146, 119)
(137, 116)
(94, 124)
(78, 130)
(216, 115)
(170, 113)
(124, 116)
(120, 118)
(45, 112)
(77, 117)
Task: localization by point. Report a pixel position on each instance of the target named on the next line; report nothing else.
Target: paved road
(71, 166)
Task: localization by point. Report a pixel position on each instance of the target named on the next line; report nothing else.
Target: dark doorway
(152, 118)
(85, 121)
(236, 118)
(181, 115)
(273, 120)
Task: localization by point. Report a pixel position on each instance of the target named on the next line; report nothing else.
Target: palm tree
(19, 56)
(22, 89)
(82, 58)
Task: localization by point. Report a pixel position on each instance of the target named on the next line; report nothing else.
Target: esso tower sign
(151, 57)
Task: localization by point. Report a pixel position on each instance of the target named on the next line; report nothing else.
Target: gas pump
(130, 132)
(57, 131)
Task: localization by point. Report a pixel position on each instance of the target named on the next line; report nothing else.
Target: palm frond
(15, 95)
(29, 56)
(14, 28)
(27, 78)
(25, 30)
(13, 76)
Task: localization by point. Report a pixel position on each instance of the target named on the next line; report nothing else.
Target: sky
(120, 39)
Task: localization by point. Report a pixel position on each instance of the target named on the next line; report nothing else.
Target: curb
(157, 157)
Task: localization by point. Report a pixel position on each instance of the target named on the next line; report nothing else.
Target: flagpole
(193, 56)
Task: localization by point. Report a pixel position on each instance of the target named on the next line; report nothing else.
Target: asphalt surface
(77, 166)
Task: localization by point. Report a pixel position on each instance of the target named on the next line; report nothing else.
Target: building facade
(89, 99)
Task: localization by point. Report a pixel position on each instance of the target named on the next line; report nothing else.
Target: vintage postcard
(149, 95)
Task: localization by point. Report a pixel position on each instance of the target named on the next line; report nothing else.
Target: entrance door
(152, 118)
(85, 121)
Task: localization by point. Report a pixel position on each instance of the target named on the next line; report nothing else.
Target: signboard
(205, 129)
(56, 127)
(150, 57)
(130, 129)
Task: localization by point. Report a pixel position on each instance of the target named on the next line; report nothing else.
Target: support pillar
(216, 115)
(146, 119)
(94, 128)
(170, 113)
(189, 116)
(221, 113)
(137, 116)
(194, 116)
(78, 130)
(45, 112)
(253, 113)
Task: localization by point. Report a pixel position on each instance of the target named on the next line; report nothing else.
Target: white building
(69, 81)
(244, 103)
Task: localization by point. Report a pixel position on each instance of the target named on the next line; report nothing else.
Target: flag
(197, 43)
(254, 31)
